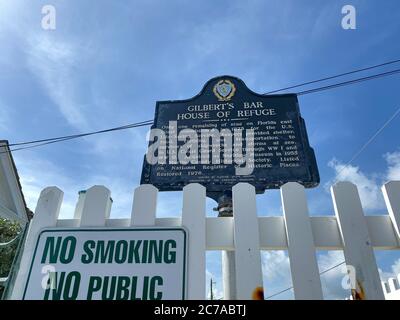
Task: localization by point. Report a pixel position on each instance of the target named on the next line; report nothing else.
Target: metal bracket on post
(225, 209)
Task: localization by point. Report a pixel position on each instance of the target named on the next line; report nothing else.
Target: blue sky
(108, 62)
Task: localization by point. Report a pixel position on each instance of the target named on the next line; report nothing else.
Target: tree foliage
(8, 231)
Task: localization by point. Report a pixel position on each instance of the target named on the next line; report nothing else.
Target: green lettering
(87, 257)
(51, 249)
(102, 252)
(169, 256)
(155, 248)
(108, 291)
(55, 286)
(122, 288)
(68, 249)
(157, 280)
(145, 288)
(94, 285)
(144, 251)
(133, 289)
(121, 250)
(134, 251)
(73, 280)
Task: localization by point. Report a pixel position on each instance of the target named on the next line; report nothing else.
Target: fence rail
(245, 234)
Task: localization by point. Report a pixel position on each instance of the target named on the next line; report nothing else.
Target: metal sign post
(225, 209)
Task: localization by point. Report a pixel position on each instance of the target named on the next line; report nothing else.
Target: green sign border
(116, 229)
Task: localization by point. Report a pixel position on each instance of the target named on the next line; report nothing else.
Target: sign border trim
(116, 229)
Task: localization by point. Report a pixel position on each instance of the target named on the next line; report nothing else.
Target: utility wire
(128, 126)
(335, 76)
(37, 143)
(287, 289)
(346, 83)
(366, 144)
(64, 138)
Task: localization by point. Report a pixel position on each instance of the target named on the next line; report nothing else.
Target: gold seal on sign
(224, 90)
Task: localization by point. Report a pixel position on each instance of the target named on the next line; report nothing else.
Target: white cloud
(133, 140)
(368, 187)
(53, 62)
(37, 174)
(275, 265)
(396, 267)
(121, 193)
(393, 273)
(331, 281)
(276, 274)
(393, 161)
(169, 204)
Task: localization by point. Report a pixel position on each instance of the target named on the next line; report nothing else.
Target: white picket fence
(245, 234)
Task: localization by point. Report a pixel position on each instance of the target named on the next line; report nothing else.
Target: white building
(391, 288)
(12, 202)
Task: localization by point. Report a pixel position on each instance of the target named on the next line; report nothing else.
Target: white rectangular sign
(108, 264)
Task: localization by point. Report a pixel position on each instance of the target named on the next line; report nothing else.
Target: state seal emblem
(224, 90)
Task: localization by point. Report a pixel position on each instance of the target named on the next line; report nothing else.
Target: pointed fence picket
(301, 249)
(246, 242)
(194, 220)
(358, 250)
(245, 234)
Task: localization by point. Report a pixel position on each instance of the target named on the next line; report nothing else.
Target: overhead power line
(42, 142)
(346, 83)
(336, 76)
(128, 126)
(287, 289)
(367, 143)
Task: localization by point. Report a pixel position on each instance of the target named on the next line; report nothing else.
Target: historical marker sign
(229, 134)
(108, 264)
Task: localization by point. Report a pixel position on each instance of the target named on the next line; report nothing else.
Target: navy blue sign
(229, 134)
